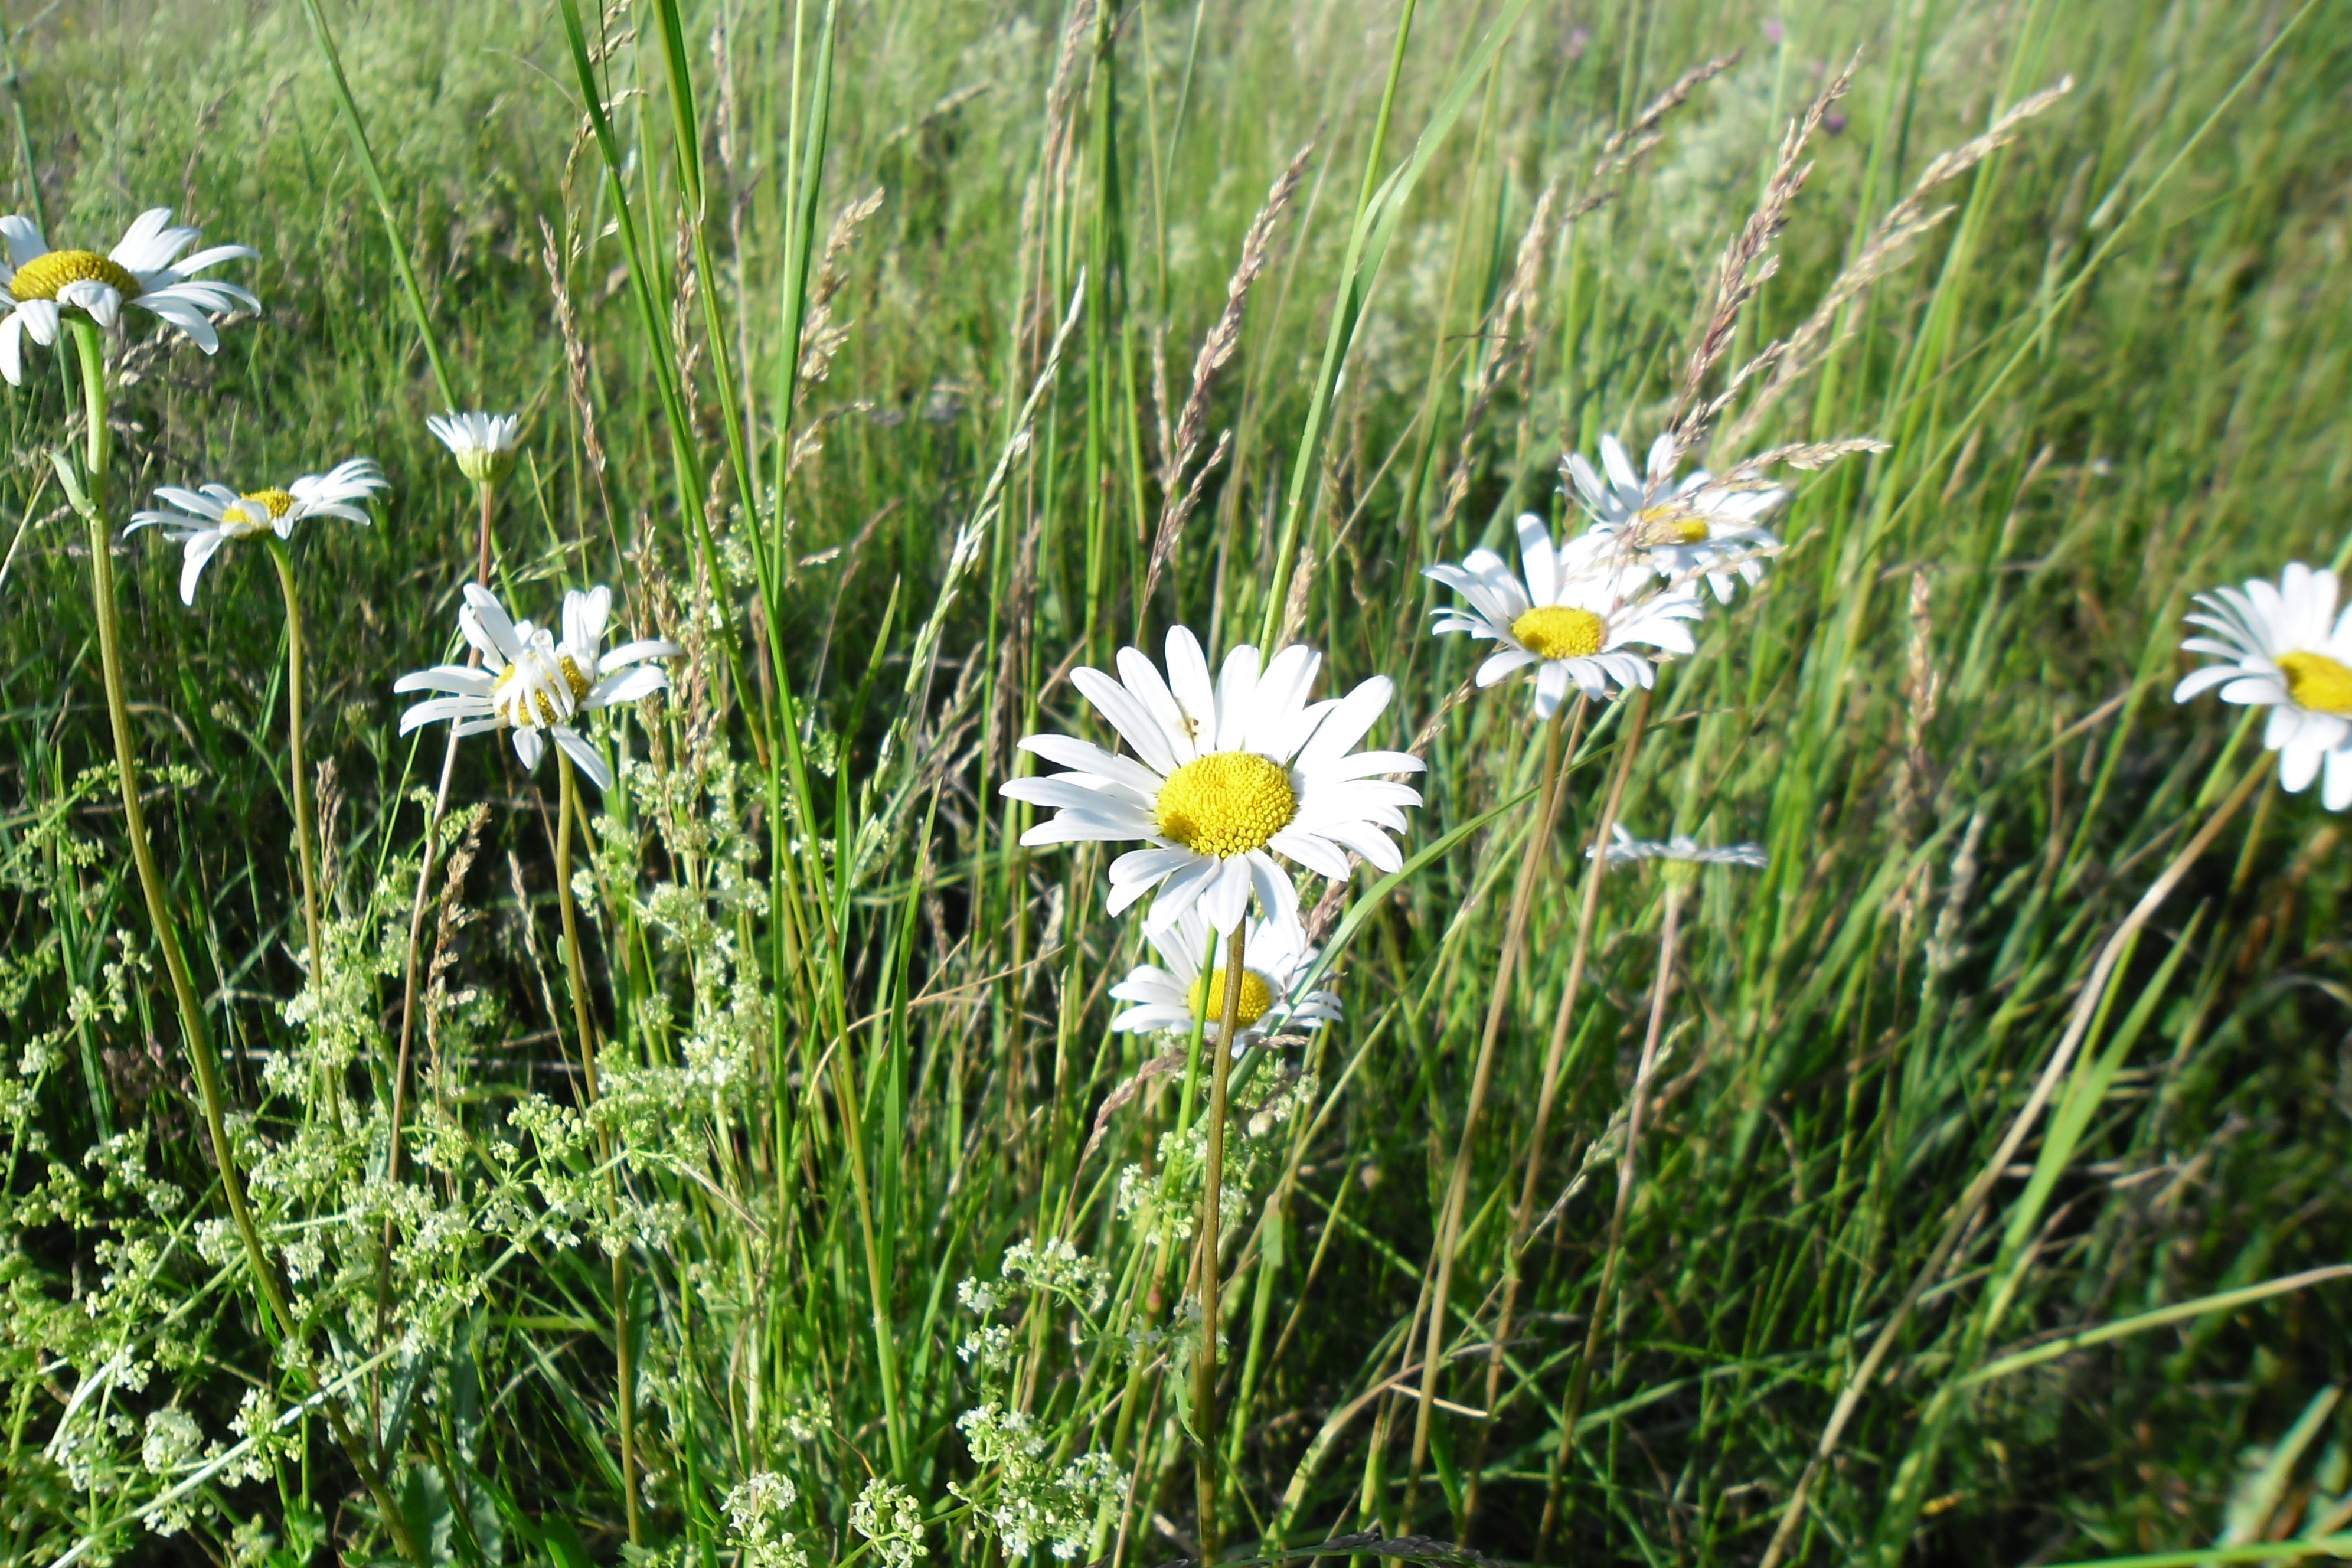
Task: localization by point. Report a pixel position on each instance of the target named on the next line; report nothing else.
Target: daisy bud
(483, 443)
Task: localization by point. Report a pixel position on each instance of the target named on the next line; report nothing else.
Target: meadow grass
(828, 1219)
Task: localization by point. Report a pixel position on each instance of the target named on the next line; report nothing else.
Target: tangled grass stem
(1205, 1359)
(90, 359)
(1457, 1189)
(583, 1023)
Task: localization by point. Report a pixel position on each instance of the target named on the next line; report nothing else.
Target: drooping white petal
(40, 319)
(583, 755)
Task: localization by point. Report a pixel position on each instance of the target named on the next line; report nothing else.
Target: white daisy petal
(1143, 734)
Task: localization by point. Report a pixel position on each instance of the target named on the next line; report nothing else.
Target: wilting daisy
(1226, 776)
(1692, 529)
(1575, 617)
(1275, 960)
(483, 443)
(1682, 847)
(529, 682)
(206, 518)
(143, 270)
(2284, 647)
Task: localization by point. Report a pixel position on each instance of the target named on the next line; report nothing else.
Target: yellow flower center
(2318, 683)
(1225, 803)
(1555, 631)
(1674, 522)
(1256, 997)
(518, 697)
(41, 278)
(280, 502)
(572, 678)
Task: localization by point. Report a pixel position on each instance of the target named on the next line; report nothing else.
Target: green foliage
(886, 1232)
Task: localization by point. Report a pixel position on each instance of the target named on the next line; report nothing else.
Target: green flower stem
(415, 963)
(305, 829)
(85, 335)
(1204, 1358)
(623, 1356)
(1582, 1383)
(1457, 1189)
(90, 358)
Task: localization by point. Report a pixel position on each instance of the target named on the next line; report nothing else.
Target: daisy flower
(2285, 648)
(483, 443)
(1170, 994)
(532, 683)
(1576, 615)
(1682, 847)
(204, 520)
(40, 284)
(1225, 775)
(1685, 531)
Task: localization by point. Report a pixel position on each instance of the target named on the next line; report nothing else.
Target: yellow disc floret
(1225, 803)
(572, 678)
(1256, 999)
(1672, 521)
(522, 695)
(41, 278)
(1556, 631)
(2318, 683)
(280, 502)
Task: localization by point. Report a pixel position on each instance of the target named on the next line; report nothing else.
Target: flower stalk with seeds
(43, 289)
(213, 516)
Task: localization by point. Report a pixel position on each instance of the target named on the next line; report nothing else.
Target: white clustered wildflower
(756, 1513)
(173, 1438)
(1059, 1269)
(885, 1515)
(1031, 1502)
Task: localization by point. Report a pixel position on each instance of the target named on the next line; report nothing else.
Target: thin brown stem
(1457, 1189)
(415, 963)
(1582, 1383)
(1588, 917)
(1213, 1183)
(2078, 1025)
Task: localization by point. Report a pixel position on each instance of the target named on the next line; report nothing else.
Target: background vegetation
(856, 1039)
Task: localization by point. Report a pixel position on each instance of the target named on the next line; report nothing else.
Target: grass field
(1964, 1185)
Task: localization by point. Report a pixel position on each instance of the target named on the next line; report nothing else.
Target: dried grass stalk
(821, 337)
(1177, 499)
(1749, 263)
(1792, 358)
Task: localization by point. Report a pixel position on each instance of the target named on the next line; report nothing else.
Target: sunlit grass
(903, 1225)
